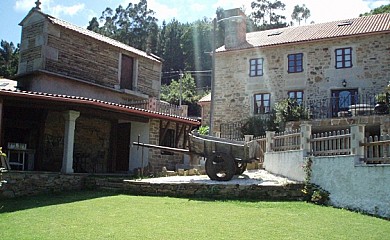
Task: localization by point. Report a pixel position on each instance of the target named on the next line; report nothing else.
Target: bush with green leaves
(204, 130)
(289, 110)
(257, 125)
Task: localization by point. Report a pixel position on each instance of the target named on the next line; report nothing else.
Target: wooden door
(127, 72)
(123, 147)
(342, 99)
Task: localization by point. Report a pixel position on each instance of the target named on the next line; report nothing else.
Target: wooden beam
(162, 136)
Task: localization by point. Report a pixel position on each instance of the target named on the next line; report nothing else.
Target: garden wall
(288, 192)
(286, 163)
(20, 184)
(32, 183)
(354, 186)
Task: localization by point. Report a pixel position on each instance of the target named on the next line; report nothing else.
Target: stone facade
(81, 59)
(92, 157)
(235, 89)
(158, 159)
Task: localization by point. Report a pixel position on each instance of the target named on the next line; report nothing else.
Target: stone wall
(286, 163)
(31, 46)
(157, 160)
(234, 89)
(216, 191)
(21, 184)
(92, 144)
(62, 51)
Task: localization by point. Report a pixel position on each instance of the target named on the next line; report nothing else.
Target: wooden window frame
(341, 52)
(256, 67)
(295, 63)
(263, 108)
(295, 95)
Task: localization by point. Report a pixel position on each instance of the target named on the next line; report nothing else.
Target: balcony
(346, 106)
(153, 104)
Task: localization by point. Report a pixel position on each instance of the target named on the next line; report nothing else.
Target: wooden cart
(224, 158)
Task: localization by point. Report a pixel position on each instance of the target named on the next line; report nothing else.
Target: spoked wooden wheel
(240, 168)
(220, 167)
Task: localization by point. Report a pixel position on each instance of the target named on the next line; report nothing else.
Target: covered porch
(68, 134)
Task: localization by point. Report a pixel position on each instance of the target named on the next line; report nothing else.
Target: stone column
(268, 140)
(248, 138)
(357, 137)
(70, 124)
(305, 138)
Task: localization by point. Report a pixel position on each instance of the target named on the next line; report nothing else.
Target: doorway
(341, 100)
(123, 147)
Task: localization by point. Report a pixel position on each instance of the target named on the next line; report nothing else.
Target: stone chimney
(235, 28)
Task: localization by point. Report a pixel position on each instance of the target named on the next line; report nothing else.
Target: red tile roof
(351, 27)
(89, 102)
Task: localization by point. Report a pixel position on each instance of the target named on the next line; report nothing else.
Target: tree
(265, 16)
(9, 59)
(134, 25)
(378, 10)
(189, 96)
(300, 13)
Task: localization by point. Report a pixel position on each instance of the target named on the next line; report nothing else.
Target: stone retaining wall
(215, 191)
(21, 184)
(33, 183)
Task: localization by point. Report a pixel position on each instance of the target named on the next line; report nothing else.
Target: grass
(100, 215)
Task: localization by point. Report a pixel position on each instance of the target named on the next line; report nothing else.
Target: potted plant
(381, 106)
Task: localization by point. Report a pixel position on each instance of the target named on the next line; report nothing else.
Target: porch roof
(91, 103)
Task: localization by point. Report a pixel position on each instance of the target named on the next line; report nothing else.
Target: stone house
(204, 103)
(329, 67)
(82, 100)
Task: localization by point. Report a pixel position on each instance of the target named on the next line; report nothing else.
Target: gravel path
(251, 177)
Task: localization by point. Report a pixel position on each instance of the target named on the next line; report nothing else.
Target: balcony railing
(344, 106)
(156, 105)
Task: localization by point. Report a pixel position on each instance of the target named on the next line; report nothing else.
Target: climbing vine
(313, 193)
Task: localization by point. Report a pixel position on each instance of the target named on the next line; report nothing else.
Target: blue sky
(79, 12)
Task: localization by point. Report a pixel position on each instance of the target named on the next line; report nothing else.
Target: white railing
(285, 141)
(262, 141)
(377, 149)
(159, 106)
(331, 143)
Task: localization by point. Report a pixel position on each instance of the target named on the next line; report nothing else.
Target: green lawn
(99, 215)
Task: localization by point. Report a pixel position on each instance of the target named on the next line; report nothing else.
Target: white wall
(141, 129)
(362, 187)
(286, 163)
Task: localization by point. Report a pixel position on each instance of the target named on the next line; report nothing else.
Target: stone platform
(254, 185)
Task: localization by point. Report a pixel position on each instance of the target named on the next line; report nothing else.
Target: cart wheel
(220, 167)
(240, 168)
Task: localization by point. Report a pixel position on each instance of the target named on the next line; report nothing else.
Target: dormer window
(275, 33)
(345, 23)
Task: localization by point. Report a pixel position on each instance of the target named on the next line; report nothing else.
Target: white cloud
(59, 10)
(162, 12)
(48, 7)
(26, 5)
(197, 7)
